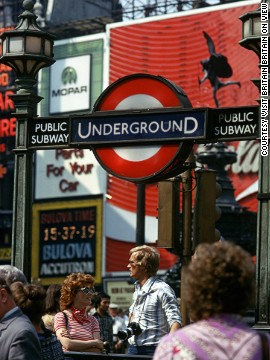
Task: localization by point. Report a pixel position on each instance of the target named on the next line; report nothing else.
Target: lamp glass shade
(47, 48)
(16, 44)
(33, 45)
(246, 29)
(4, 47)
(257, 25)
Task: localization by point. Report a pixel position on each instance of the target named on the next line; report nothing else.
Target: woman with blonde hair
(51, 305)
(76, 329)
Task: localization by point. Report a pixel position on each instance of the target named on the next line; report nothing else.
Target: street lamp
(251, 31)
(26, 49)
(252, 41)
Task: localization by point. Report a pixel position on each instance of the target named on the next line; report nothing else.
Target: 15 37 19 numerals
(69, 232)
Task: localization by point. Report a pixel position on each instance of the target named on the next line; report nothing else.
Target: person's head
(143, 260)
(113, 310)
(12, 274)
(77, 290)
(31, 299)
(221, 279)
(121, 312)
(52, 299)
(101, 301)
(6, 300)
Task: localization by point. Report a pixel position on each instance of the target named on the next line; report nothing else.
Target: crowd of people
(45, 324)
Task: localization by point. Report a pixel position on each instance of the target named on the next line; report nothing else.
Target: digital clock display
(71, 232)
(67, 241)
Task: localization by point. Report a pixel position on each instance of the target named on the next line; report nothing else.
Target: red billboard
(199, 51)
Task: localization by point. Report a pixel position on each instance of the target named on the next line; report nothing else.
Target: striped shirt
(155, 308)
(86, 331)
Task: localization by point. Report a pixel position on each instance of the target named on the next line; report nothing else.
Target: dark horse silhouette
(214, 67)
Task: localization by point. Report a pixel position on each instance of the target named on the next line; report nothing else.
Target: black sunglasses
(87, 290)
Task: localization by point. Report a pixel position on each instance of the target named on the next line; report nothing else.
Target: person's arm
(71, 344)
(25, 346)
(95, 345)
(175, 326)
(171, 308)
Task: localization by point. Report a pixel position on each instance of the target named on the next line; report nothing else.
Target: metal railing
(93, 356)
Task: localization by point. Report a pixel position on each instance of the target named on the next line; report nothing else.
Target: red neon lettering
(4, 68)
(4, 127)
(7, 127)
(5, 102)
(2, 148)
(4, 79)
(12, 126)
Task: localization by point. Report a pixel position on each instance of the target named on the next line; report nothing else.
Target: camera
(132, 329)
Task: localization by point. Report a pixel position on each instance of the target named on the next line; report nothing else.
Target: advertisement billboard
(67, 238)
(199, 51)
(70, 82)
(71, 85)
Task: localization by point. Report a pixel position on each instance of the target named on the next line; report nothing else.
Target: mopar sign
(69, 75)
(70, 85)
(141, 126)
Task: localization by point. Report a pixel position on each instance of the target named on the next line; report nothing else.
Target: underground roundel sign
(146, 163)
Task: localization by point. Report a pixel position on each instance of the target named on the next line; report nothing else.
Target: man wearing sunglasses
(154, 311)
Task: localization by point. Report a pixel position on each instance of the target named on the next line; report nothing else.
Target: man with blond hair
(154, 310)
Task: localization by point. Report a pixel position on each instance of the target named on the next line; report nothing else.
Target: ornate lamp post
(26, 49)
(252, 41)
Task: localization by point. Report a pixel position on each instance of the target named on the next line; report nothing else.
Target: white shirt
(118, 324)
(155, 308)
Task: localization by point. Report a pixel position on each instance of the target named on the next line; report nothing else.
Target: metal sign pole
(187, 234)
(140, 225)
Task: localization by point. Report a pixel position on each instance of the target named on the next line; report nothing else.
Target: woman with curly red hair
(75, 328)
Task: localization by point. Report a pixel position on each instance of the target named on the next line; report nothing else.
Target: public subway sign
(48, 132)
(239, 123)
(138, 126)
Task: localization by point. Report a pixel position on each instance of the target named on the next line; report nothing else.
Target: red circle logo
(148, 163)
